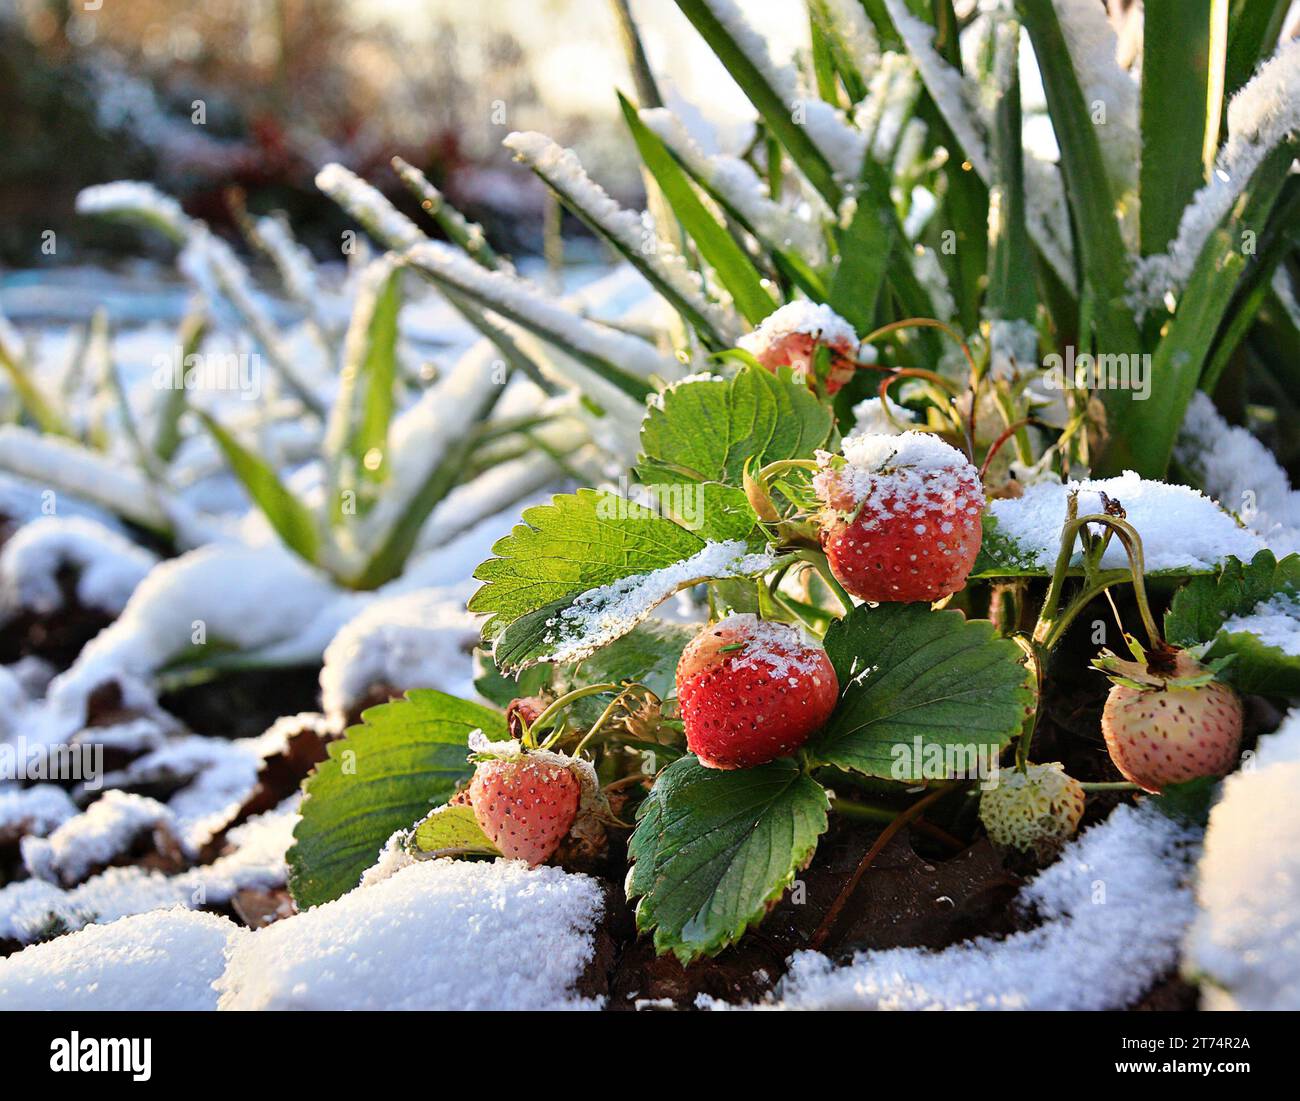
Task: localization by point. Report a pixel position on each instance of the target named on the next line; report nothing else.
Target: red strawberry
(525, 804)
(751, 691)
(901, 516)
(1168, 721)
(792, 335)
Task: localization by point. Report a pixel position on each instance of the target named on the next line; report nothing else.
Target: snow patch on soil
(164, 961)
(1244, 946)
(1114, 910)
(107, 566)
(419, 639)
(442, 934)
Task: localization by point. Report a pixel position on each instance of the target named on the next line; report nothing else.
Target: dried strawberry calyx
(1160, 667)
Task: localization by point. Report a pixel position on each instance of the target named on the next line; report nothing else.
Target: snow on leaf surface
(438, 934)
(1243, 475)
(587, 568)
(159, 962)
(1250, 611)
(1183, 531)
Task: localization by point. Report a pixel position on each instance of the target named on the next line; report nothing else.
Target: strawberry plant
(868, 490)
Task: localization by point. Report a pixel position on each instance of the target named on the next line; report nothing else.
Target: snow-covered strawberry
(792, 335)
(525, 804)
(1167, 721)
(1037, 810)
(900, 516)
(751, 691)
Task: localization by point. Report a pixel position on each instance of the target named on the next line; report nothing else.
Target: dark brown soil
(243, 704)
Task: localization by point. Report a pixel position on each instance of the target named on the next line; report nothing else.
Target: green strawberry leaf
(450, 831)
(587, 568)
(381, 776)
(1201, 610)
(910, 677)
(705, 430)
(1189, 802)
(713, 850)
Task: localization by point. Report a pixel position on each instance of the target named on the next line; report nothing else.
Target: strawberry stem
(608, 713)
(822, 565)
(557, 705)
(1111, 785)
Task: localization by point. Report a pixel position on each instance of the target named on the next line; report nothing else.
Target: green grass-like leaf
(292, 520)
(776, 114)
(907, 672)
(382, 776)
(715, 244)
(713, 849)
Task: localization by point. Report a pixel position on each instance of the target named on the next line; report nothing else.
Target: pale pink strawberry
(526, 804)
(1168, 721)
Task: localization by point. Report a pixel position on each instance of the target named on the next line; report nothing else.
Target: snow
(242, 596)
(634, 234)
(1181, 528)
(419, 639)
(30, 908)
(1275, 622)
(441, 934)
(132, 198)
(1114, 909)
(369, 207)
(1260, 116)
(1244, 946)
(778, 649)
(598, 616)
(104, 832)
(781, 78)
(34, 811)
(293, 263)
(217, 778)
(107, 566)
(60, 464)
(869, 418)
(808, 318)
(900, 472)
(1237, 470)
(161, 962)
(1110, 94)
(515, 298)
(739, 187)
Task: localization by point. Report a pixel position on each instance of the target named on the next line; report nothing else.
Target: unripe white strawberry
(1036, 811)
(1169, 721)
